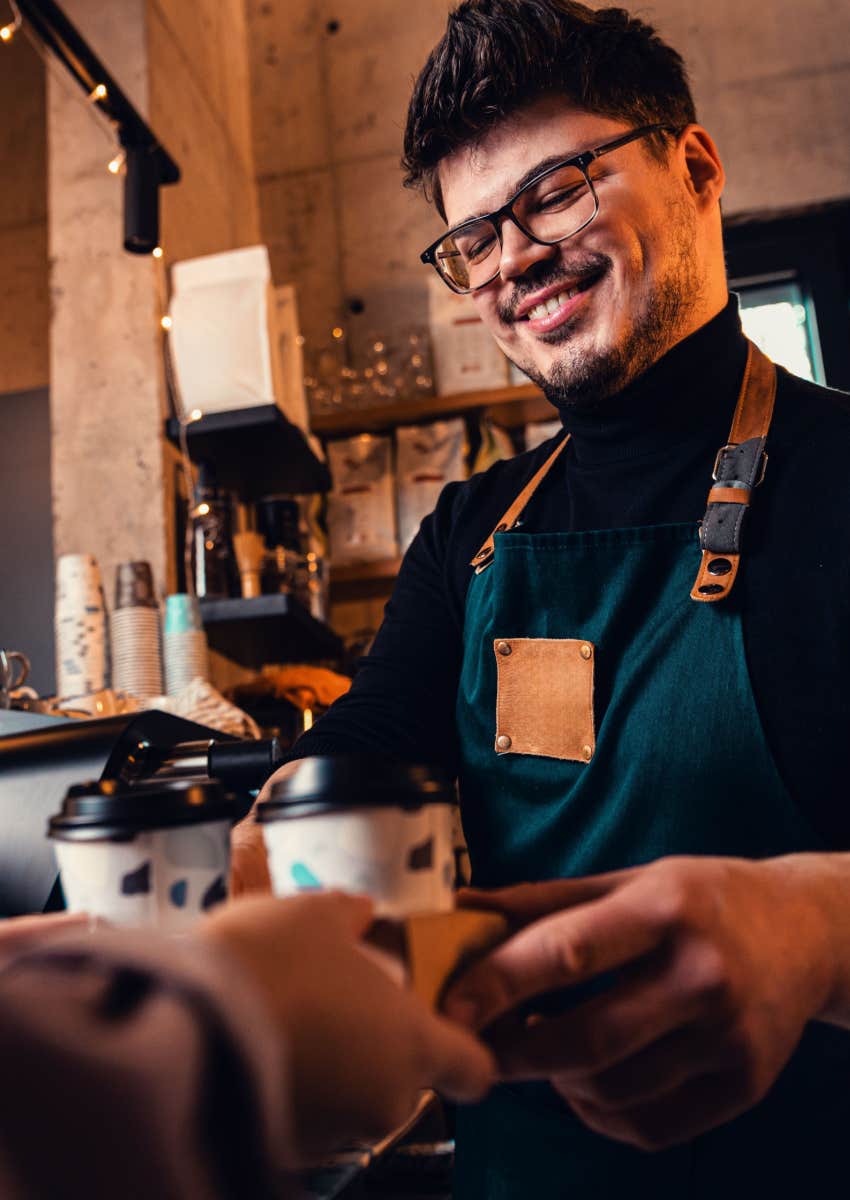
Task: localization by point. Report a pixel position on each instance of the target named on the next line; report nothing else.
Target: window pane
(777, 318)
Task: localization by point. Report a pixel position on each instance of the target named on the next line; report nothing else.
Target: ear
(703, 170)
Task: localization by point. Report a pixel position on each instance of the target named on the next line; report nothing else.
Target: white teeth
(546, 307)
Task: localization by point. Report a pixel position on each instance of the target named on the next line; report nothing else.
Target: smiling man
(632, 644)
(584, 322)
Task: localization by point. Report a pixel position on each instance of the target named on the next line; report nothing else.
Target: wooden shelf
(509, 406)
(267, 629)
(255, 452)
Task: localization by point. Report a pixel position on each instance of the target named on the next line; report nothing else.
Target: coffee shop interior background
(285, 117)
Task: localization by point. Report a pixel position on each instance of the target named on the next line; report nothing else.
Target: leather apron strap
(738, 468)
(484, 556)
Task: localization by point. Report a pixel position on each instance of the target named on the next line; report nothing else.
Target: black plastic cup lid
(328, 783)
(108, 809)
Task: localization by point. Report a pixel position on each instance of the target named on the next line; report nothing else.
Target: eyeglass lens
(552, 209)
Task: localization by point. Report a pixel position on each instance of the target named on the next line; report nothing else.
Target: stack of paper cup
(136, 651)
(185, 643)
(80, 622)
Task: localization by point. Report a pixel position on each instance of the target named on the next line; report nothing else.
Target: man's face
(629, 285)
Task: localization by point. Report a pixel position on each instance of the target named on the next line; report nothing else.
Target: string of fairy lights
(8, 31)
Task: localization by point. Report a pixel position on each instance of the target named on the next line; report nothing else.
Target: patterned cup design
(163, 879)
(404, 860)
(80, 623)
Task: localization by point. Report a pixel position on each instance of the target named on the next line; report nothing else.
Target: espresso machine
(40, 757)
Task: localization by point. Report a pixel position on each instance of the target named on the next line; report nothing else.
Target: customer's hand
(719, 965)
(20, 934)
(360, 1046)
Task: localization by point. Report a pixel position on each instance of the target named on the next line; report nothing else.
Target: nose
(519, 253)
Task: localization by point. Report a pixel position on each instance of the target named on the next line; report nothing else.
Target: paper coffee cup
(362, 824)
(155, 855)
(80, 627)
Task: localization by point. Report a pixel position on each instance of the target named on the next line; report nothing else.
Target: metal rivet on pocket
(587, 753)
(503, 742)
(586, 651)
(503, 647)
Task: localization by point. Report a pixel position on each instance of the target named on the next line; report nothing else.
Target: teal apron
(677, 764)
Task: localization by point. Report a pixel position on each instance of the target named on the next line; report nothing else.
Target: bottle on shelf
(278, 519)
(295, 562)
(250, 549)
(213, 563)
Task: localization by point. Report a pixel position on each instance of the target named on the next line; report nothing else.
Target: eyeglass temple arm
(631, 136)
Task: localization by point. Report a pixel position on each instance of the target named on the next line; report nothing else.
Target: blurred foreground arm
(208, 1068)
(137, 1067)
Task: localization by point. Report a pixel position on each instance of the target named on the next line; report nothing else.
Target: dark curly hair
(497, 56)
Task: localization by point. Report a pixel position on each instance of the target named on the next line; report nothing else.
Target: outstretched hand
(360, 1046)
(718, 965)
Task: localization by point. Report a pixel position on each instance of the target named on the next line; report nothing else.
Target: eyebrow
(519, 184)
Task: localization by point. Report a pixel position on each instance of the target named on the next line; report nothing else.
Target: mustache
(547, 274)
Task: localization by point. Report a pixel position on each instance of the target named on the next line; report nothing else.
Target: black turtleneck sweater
(644, 457)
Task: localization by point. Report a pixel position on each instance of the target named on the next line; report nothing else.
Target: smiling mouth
(547, 307)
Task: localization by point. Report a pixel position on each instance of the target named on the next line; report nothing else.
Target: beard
(582, 378)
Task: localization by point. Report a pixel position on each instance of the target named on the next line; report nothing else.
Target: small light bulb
(166, 322)
(203, 509)
(337, 332)
(157, 252)
(98, 93)
(115, 164)
(195, 414)
(7, 33)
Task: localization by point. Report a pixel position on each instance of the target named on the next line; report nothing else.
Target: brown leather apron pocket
(544, 698)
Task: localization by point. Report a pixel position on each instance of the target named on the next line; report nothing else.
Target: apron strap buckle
(739, 468)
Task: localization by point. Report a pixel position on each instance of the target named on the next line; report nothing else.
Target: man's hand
(249, 864)
(360, 1047)
(719, 964)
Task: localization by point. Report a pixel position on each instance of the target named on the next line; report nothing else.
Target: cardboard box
(466, 358)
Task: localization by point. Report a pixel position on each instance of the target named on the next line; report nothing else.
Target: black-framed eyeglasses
(555, 205)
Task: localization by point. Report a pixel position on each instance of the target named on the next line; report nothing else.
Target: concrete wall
(330, 84)
(24, 305)
(331, 80)
(199, 104)
(109, 496)
(185, 68)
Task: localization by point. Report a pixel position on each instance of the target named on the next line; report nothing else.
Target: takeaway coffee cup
(363, 824)
(157, 855)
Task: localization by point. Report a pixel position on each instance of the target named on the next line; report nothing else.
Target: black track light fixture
(147, 164)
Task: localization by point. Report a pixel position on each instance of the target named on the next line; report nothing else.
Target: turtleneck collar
(688, 394)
